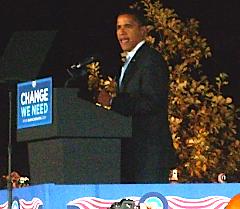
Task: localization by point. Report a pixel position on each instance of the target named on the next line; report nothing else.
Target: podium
(81, 146)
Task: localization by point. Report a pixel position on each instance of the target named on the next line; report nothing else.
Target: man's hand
(104, 98)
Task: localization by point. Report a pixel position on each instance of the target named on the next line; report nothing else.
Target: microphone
(83, 63)
(78, 70)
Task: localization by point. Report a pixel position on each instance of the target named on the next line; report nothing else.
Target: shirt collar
(134, 50)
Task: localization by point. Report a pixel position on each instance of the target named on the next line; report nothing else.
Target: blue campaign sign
(34, 103)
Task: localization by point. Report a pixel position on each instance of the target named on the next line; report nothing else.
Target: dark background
(87, 28)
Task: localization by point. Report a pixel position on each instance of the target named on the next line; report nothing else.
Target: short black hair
(137, 14)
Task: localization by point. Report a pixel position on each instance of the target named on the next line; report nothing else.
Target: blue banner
(34, 103)
(102, 196)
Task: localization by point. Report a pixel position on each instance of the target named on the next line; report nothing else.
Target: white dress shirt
(128, 59)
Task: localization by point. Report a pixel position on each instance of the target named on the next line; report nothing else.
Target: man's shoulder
(147, 51)
(150, 58)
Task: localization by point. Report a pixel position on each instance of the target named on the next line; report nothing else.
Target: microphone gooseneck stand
(9, 179)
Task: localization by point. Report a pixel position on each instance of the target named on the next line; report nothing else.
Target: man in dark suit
(142, 94)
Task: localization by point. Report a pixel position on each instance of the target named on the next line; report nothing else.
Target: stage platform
(172, 196)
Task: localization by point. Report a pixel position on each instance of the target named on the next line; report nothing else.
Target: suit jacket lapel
(131, 68)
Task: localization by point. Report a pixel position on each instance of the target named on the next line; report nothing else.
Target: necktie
(123, 69)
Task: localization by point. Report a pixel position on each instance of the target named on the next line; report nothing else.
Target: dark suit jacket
(144, 96)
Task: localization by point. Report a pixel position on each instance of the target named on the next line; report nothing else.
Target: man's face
(129, 32)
